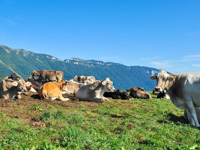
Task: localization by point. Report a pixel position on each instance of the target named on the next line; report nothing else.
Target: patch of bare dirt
(25, 108)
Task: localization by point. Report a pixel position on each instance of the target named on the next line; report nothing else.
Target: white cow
(183, 89)
(94, 92)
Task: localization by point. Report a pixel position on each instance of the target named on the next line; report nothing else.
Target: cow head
(14, 77)
(63, 86)
(163, 80)
(34, 74)
(21, 85)
(108, 85)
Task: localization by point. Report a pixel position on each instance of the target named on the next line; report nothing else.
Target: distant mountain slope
(24, 62)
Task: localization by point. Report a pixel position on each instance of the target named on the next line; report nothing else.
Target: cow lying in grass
(72, 87)
(136, 92)
(85, 79)
(10, 89)
(53, 90)
(94, 92)
(117, 94)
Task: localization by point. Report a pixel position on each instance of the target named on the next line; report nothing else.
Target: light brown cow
(47, 75)
(183, 89)
(136, 92)
(10, 89)
(94, 92)
(53, 90)
(72, 87)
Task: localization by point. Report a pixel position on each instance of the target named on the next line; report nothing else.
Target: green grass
(117, 125)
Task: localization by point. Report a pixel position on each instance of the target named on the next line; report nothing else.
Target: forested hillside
(24, 62)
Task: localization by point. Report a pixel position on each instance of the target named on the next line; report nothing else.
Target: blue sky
(153, 33)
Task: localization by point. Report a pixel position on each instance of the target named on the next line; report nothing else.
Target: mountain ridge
(24, 62)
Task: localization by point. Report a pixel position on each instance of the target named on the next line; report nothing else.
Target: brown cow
(136, 92)
(47, 75)
(53, 90)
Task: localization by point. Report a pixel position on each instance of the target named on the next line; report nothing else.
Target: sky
(162, 34)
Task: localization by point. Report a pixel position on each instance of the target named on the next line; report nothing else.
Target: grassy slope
(133, 124)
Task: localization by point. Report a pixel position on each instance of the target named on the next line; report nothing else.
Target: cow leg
(52, 98)
(97, 100)
(191, 111)
(104, 98)
(189, 117)
(62, 98)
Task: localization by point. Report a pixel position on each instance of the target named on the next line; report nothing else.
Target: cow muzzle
(158, 89)
(24, 90)
(113, 90)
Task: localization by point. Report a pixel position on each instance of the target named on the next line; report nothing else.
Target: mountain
(23, 62)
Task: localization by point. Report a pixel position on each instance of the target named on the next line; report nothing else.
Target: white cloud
(162, 65)
(191, 58)
(196, 65)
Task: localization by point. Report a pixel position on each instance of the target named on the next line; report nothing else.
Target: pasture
(31, 123)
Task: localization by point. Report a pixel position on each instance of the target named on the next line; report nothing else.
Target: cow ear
(65, 83)
(28, 83)
(107, 79)
(153, 77)
(104, 82)
(170, 78)
(14, 83)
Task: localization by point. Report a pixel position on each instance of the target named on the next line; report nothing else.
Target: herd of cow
(50, 85)
(182, 89)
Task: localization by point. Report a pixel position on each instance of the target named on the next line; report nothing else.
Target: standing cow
(183, 89)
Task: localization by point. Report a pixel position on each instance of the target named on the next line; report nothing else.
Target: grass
(116, 125)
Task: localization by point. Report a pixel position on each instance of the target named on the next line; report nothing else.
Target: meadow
(117, 125)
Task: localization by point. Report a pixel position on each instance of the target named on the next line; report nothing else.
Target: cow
(94, 92)
(72, 87)
(47, 75)
(135, 88)
(29, 87)
(36, 83)
(85, 79)
(53, 90)
(117, 94)
(183, 89)
(14, 77)
(136, 92)
(10, 89)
